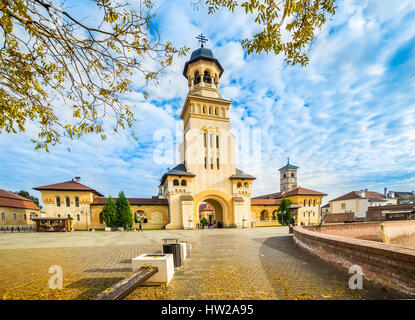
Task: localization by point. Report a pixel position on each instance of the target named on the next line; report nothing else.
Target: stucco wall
(388, 265)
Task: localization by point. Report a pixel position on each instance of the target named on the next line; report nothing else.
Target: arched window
(14, 216)
(217, 162)
(25, 216)
(217, 141)
(285, 176)
(101, 218)
(292, 175)
(77, 201)
(274, 215)
(58, 201)
(246, 185)
(239, 185)
(206, 77)
(309, 202)
(205, 163)
(68, 201)
(204, 109)
(304, 202)
(210, 110)
(3, 216)
(176, 182)
(204, 139)
(184, 182)
(59, 215)
(264, 215)
(197, 77)
(140, 215)
(216, 111)
(78, 217)
(314, 203)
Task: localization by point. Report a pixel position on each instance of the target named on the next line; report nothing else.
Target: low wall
(365, 231)
(390, 266)
(400, 232)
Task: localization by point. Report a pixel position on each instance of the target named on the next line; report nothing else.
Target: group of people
(202, 225)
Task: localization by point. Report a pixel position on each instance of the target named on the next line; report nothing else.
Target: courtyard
(259, 263)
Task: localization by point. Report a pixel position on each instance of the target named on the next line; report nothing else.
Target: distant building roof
(294, 192)
(327, 205)
(239, 174)
(206, 207)
(265, 202)
(179, 170)
(134, 201)
(9, 199)
(371, 195)
(68, 186)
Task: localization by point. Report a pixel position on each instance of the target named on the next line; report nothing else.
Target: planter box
(164, 263)
(184, 246)
(107, 229)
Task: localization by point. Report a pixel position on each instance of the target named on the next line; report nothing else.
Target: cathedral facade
(206, 174)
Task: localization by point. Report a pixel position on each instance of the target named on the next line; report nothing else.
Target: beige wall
(359, 206)
(256, 211)
(20, 216)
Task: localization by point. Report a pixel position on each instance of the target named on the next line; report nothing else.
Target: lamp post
(243, 222)
(190, 223)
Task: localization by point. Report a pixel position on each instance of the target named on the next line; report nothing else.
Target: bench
(123, 288)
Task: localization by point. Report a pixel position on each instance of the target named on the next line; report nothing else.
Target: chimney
(362, 193)
(77, 179)
(384, 192)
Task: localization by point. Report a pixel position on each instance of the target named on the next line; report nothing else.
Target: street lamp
(243, 222)
(190, 223)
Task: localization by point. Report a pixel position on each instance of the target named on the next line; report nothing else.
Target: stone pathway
(261, 263)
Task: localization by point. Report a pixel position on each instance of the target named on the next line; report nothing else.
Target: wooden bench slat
(123, 288)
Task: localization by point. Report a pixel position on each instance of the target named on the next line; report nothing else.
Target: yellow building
(206, 173)
(16, 210)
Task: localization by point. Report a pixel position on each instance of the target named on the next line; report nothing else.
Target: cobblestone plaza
(260, 263)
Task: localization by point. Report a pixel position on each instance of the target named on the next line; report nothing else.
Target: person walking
(141, 227)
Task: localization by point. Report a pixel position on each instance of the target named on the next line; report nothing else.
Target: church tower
(207, 154)
(288, 177)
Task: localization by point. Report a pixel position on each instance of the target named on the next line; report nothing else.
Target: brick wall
(390, 266)
(365, 231)
(375, 213)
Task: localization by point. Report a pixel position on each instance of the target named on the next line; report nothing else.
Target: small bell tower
(288, 177)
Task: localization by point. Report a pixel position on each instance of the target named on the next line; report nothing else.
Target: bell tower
(288, 177)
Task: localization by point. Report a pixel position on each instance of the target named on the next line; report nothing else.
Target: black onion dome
(205, 54)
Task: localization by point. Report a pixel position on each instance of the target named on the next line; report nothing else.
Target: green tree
(50, 57)
(124, 214)
(27, 195)
(109, 213)
(284, 216)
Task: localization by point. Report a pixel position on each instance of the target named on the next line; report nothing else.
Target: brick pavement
(261, 263)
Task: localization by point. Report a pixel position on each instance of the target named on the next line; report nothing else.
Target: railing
(18, 228)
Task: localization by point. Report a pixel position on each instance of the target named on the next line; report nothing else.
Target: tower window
(176, 182)
(77, 201)
(216, 111)
(217, 162)
(204, 139)
(217, 141)
(309, 203)
(197, 77)
(211, 140)
(206, 77)
(285, 176)
(58, 201)
(184, 183)
(292, 175)
(68, 201)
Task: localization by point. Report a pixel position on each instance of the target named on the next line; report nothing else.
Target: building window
(197, 77)
(78, 217)
(309, 202)
(292, 175)
(205, 163)
(3, 216)
(314, 203)
(210, 110)
(304, 203)
(216, 111)
(58, 201)
(217, 141)
(101, 218)
(68, 201)
(217, 162)
(264, 215)
(14, 216)
(25, 216)
(206, 77)
(59, 215)
(184, 182)
(239, 185)
(176, 182)
(274, 215)
(77, 201)
(343, 206)
(204, 139)
(285, 176)
(211, 140)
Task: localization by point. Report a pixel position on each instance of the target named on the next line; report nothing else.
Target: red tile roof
(68, 186)
(302, 192)
(262, 202)
(134, 201)
(9, 199)
(372, 195)
(269, 196)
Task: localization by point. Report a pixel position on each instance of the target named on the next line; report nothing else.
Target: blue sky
(347, 119)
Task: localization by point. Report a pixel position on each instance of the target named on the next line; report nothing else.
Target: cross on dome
(202, 39)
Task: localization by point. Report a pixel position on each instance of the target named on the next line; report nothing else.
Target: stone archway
(220, 208)
(216, 217)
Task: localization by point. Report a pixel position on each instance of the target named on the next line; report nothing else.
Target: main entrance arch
(222, 212)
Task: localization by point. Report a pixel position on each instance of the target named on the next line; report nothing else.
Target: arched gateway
(207, 154)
